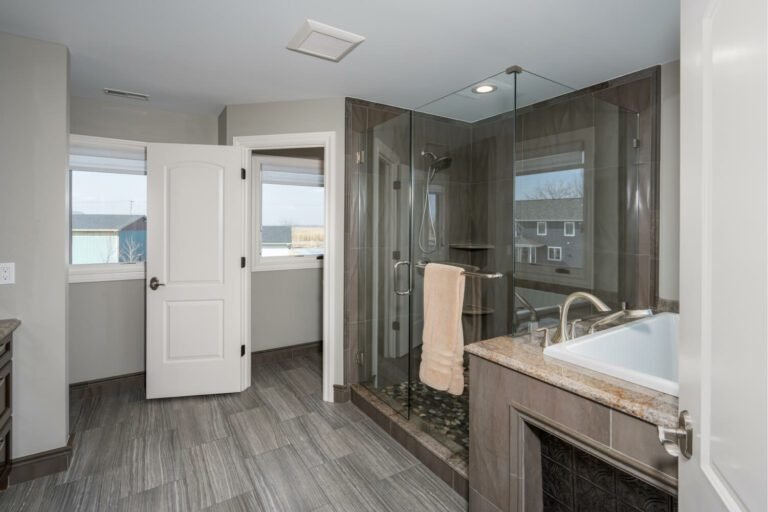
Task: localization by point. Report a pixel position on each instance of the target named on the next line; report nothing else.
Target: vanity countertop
(526, 355)
(8, 326)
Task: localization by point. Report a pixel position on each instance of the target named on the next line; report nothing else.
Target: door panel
(724, 264)
(195, 242)
(195, 205)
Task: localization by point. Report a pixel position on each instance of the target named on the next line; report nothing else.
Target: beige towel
(442, 352)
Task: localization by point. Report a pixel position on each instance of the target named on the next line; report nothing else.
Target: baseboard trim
(86, 383)
(281, 354)
(41, 464)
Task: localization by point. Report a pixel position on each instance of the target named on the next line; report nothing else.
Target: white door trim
(333, 262)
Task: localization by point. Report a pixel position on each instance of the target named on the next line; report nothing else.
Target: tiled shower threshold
(445, 463)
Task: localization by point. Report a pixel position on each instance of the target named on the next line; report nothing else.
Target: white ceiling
(199, 55)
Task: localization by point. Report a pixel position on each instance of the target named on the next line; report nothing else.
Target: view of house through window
(108, 203)
(292, 207)
(550, 202)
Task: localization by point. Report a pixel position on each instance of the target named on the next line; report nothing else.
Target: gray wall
(287, 304)
(33, 234)
(106, 329)
(669, 207)
(119, 118)
(286, 308)
(106, 319)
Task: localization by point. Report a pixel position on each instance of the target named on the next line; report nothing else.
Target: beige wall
(33, 234)
(106, 319)
(287, 304)
(669, 222)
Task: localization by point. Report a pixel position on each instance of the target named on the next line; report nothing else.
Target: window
(289, 210)
(541, 228)
(569, 229)
(108, 209)
(554, 253)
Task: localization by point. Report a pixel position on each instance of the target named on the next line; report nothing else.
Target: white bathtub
(643, 352)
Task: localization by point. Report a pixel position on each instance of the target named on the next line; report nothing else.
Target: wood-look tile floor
(276, 446)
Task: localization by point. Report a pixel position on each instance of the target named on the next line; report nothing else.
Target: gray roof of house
(550, 209)
(106, 222)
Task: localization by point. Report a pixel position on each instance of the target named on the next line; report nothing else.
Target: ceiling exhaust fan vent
(324, 41)
(126, 94)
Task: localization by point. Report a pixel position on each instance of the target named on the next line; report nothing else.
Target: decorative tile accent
(573, 480)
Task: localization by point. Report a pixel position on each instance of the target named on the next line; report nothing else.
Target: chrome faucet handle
(547, 336)
(574, 323)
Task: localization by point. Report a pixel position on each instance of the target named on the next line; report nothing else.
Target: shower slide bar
(479, 275)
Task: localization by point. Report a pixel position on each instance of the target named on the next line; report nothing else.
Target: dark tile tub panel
(573, 480)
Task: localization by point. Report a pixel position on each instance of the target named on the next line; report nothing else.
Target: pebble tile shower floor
(276, 446)
(445, 417)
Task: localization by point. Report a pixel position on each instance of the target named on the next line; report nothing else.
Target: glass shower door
(385, 220)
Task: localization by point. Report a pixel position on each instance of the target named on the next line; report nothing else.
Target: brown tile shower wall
(616, 123)
(607, 120)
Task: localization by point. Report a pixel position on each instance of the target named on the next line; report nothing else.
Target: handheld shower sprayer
(436, 164)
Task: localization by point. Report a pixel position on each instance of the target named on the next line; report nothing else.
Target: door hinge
(635, 143)
(397, 184)
(395, 325)
(360, 157)
(678, 441)
(242, 350)
(242, 173)
(242, 261)
(360, 358)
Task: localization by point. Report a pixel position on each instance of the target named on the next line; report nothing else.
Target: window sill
(106, 272)
(287, 265)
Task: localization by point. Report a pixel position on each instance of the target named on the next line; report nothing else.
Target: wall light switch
(7, 273)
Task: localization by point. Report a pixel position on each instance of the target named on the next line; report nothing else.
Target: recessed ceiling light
(324, 41)
(483, 89)
(126, 94)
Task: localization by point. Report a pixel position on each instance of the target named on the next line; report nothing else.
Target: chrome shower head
(438, 163)
(442, 163)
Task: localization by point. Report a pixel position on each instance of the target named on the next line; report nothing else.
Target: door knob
(155, 283)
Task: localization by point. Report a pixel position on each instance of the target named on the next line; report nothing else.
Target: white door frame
(333, 262)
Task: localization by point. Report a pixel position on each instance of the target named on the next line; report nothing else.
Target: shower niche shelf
(472, 247)
(472, 310)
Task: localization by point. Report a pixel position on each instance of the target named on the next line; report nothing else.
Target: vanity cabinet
(515, 420)
(6, 335)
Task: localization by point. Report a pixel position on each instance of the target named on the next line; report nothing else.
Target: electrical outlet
(7, 273)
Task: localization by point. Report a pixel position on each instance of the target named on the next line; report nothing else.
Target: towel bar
(479, 275)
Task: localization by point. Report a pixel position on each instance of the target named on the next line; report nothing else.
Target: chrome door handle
(394, 277)
(155, 283)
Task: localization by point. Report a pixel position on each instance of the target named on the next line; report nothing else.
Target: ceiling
(199, 55)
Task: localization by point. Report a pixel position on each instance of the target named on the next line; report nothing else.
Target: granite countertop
(526, 355)
(8, 326)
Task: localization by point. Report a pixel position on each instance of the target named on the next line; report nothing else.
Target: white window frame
(572, 224)
(92, 273)
(539, 231)
(259, 263)
(559, 253)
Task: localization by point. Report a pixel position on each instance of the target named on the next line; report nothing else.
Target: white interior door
(195, 243)
(723, 257)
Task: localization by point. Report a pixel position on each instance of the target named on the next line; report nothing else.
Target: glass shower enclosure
(534, 189)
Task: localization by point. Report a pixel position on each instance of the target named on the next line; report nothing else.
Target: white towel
(442, 352)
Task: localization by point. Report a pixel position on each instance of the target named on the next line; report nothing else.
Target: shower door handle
(394, 277)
